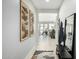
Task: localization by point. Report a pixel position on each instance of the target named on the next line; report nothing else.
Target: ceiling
(42, 4)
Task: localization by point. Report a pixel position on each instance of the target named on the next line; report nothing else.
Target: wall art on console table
(24, 20)
(71, 35)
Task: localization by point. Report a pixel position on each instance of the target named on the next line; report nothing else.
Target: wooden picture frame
(31, 23)
(26, 21)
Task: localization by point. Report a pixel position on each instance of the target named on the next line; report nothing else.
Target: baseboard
(30, 54)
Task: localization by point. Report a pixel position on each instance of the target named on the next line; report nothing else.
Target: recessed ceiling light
(47, 0)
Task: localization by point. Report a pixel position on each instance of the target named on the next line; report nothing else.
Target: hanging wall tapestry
(26, 21)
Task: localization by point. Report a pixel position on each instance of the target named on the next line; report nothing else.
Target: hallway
(46, 44)
(38, 29)
(46, 48)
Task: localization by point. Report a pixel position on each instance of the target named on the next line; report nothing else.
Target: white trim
(30, 54)
(47, 10)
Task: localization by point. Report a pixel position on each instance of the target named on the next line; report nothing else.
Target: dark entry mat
(38, 52)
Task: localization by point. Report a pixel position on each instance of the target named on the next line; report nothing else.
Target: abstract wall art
(26, 21)
(31, 23)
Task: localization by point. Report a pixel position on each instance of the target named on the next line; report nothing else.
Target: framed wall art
(31, 23)
(69, 29)
(71, 34)
(26, 21)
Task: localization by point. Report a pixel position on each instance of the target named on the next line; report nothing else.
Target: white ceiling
(42, 4)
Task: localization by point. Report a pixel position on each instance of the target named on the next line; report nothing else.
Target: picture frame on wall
(69, 29)
(71, 34)
(31, 23)
(26, 21)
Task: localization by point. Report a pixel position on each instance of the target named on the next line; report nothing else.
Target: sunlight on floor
(46, 44)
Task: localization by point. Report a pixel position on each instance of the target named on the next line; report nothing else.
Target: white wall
(11, 45)
(47, 10)
(68, 7)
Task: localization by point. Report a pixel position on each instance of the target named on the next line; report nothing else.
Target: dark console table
(64, 54)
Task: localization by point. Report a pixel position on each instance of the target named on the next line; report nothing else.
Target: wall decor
(31, 23)
(26, 21)
(24, 14)
(69, 31)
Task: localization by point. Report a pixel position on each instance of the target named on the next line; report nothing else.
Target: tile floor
(46, 44)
